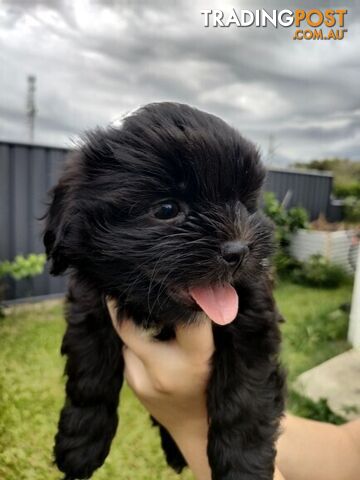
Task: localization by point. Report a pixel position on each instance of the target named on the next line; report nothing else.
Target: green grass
(31, 385)
(315, 326)
(315, 330)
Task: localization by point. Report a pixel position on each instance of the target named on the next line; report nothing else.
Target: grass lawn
(31, 385)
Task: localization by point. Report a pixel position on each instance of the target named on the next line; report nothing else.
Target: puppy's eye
(167, 210)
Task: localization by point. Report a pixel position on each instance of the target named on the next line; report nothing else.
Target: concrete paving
(337, 380)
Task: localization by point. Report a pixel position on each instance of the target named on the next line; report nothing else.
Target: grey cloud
(259, 80)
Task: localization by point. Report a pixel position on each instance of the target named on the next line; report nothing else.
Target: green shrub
(284, 262)
(320, 410)
(21, 267)
(286, 223)
(344, 190)
(319, 272)
(297, 217)
(352, 209)
(274, 209)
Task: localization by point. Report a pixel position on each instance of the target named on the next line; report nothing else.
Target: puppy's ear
(60, 217)
(55, 232)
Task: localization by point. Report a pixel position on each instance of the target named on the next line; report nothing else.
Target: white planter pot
(339, 247)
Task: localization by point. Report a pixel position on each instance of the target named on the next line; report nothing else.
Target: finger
(196, 338)
(136, 338)
(139, 340)
(113, 311)
(278, 475)
(132, 336)
(135, 373)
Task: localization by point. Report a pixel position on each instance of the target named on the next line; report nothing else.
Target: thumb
(197, 338)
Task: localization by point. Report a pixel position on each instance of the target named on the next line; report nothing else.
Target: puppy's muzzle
(234, 253)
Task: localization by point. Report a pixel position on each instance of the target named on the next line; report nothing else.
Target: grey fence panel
(27, 172)
(303, 189)
(5, 252)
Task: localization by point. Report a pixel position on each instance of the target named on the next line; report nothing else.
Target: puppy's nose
(234, 252)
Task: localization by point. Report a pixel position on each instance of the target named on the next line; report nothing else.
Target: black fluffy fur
(101, 227)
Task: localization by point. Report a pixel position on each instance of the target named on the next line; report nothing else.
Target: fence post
(354, 326)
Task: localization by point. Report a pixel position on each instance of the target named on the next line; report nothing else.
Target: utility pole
(271, 149)
(30, 106)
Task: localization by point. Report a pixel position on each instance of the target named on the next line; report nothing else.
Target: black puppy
(161, 213)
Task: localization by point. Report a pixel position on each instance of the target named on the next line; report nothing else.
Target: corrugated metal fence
(27, 172)
(308, 189)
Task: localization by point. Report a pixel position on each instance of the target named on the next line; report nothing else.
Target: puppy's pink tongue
(219, 302)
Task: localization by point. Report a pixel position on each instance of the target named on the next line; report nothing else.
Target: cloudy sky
(96, 60)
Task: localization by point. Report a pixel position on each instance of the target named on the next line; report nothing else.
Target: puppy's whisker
(138, 268)
(162, 287)
(132, 286)
(151, 282)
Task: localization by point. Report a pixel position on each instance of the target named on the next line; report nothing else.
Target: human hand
(170, 380)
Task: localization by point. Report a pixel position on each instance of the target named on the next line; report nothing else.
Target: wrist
(191, 438)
